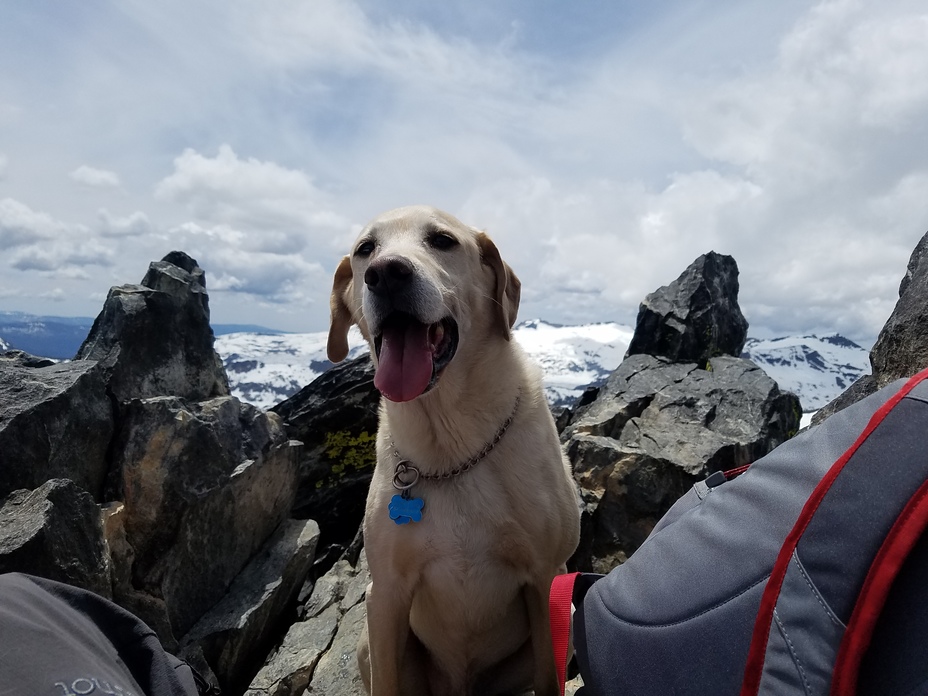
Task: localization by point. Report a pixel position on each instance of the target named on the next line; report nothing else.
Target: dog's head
(425, 290)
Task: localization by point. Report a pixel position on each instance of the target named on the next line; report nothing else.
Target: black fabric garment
(57, 640)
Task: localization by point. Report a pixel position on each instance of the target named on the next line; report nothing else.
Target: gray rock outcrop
(696, 317)
(236, 634)
(136, 475)
(204, 485)
(901, 349)
(155, 339)
(55, 532)
(56, 421)
(335, 418)
(658, 425)
(318, 654)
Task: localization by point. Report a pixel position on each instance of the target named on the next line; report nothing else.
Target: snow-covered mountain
(266, 366)
(573, 357)
(266, 369)
(816, 369)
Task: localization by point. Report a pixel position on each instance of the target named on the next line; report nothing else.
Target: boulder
(696, 317)
(237, 632)
(318, 654)
(336, 419)
(680, 406)
(56, 421)
(291, 667)
(901, 349)
(154, 339)
(55, 532)
(337, 673)
(655, 430)
(204, 485)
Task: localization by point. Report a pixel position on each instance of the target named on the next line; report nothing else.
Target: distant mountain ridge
(265, 366)
(815, 368)
(265, 370)
(60, 337)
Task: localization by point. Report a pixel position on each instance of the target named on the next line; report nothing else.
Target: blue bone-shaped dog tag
(405, 510)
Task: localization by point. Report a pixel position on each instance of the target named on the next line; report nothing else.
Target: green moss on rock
(349, 452)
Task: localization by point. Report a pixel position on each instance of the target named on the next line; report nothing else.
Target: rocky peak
(682, 405)
(901, 349)
(154, 338)
(694, 318)
(194, 488)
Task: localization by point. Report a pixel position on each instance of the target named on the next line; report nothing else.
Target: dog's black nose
(388, 274)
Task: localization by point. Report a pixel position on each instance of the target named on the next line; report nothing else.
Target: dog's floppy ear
(337, 345)
(508, 287)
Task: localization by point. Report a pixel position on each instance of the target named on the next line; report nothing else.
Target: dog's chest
(470, 535)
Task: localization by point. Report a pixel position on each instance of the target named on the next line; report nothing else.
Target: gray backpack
(806, 574)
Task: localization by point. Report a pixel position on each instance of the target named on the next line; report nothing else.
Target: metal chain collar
(404, 466)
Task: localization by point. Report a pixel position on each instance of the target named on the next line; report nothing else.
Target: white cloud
(279, 210)
(786, 135)
(234, 265)
(54, 295)
(99, 178)
(60, 258)
(134, 225)
(586, 247)
(20, 225)
(809, 179)
(337, 36)
(39, 242)
(846, 79)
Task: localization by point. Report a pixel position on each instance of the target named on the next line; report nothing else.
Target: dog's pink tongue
(405, 365)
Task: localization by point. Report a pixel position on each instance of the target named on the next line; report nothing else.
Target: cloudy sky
(603, 145)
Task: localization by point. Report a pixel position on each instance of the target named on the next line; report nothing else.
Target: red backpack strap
(559, 603)
(904, 534)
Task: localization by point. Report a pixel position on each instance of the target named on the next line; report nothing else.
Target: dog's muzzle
(411, 348)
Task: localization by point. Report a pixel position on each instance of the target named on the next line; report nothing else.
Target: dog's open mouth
(411, 354)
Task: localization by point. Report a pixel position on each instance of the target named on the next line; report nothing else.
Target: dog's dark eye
(442, 241)
(364, 248)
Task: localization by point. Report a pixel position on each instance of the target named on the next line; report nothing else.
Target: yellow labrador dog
(472, 510)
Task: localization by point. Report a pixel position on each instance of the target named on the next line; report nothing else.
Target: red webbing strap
(736, 472)
(559, 603)
(754, 667)
(904, 534)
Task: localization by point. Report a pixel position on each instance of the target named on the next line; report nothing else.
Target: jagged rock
(336, 419)
(337, 673)
(289, 671)
(154, 339)
(204, 485)
(655, 429)
(901, 349)
(55, 532)
(679, 407)
(121, 559)
(23, 359)
(235, 634)
(696, 317)
(56, 421)
(320, 651)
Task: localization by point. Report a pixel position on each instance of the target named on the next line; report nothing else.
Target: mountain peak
(815, 368)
